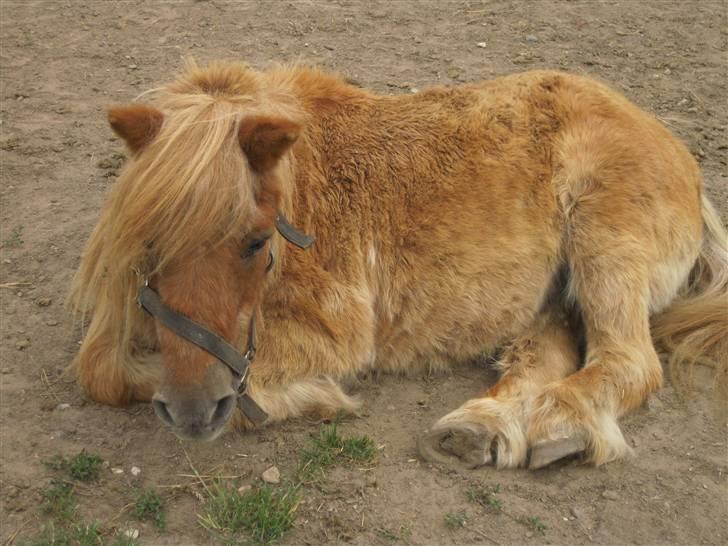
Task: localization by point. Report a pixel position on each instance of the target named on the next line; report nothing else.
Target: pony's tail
(694, 329)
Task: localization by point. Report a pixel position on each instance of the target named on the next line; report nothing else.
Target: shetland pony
(541, 214)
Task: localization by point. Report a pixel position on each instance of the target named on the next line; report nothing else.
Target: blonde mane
(191, 188)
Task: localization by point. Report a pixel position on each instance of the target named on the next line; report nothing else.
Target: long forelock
(190, 189)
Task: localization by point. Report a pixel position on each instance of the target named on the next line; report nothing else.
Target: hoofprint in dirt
(64, 63)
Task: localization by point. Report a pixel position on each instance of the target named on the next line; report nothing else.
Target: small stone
(532, 38)
(135, 470)
(482, 44)
(655, 404)
(244, 488)
(5, 371)
(117, 470)
(668, 71)
(610, 495)
(635, 442)
(132, 67)
(692, 110)
(529, 534)
(22, 344)
(43, 302)
(132, 533)
(272, 475)
(61, 407)
(682, 102)
(52, 322)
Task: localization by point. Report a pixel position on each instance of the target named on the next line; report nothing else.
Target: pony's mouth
(200, 435)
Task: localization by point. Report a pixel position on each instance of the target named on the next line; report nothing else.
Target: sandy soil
(64, 62)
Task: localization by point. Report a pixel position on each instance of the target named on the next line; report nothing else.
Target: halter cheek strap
(292, 234)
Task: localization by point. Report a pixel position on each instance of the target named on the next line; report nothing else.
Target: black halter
(149, 300)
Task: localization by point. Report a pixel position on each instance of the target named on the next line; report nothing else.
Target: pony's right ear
(137, 124)
(265, 139)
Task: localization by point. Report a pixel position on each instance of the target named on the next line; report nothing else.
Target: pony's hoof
(462, 447)
(549, 451)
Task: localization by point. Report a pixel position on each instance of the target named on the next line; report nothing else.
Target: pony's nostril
(223, 410)
(160, 408)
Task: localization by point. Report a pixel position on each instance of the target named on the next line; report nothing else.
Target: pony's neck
(319, 96)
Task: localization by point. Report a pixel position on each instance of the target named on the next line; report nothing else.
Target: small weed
(395, 536)
(328, 446)
(148, 507)
(16, 237)
(455, 520)
(82, 467)
(77, 534)
(59, 501)
(534, 523)
(266, 512)
(485, 498)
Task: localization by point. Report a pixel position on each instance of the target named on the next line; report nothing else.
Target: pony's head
(193, 214)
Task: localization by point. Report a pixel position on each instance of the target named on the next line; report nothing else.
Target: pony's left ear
(137, 124)
(264, 139)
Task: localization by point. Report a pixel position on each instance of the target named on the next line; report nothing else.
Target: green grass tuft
(534, 523)
(16, 237)
(265, 513)
(393, 537)
(59, 501)
(326, 448)
(486, 498)
(148, 507)
(455, 520)
(82, 467)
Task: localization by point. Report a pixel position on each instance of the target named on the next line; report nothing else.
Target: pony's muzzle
(197, 412)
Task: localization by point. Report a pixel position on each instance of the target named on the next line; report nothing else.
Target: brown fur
(442, 220)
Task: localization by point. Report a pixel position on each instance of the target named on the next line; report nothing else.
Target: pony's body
(448, 223)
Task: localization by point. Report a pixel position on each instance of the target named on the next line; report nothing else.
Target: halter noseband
(149, 300)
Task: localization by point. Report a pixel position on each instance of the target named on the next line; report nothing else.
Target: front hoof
(466, 446)
(547, 452)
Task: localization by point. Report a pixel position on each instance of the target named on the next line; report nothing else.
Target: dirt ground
(64, 62)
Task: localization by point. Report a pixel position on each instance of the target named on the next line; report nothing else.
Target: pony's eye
(253, 248)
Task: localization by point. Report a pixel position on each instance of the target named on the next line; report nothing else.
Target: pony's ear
(264, 139)
(137, 124)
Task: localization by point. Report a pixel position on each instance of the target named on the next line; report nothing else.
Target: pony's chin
(204, 435)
